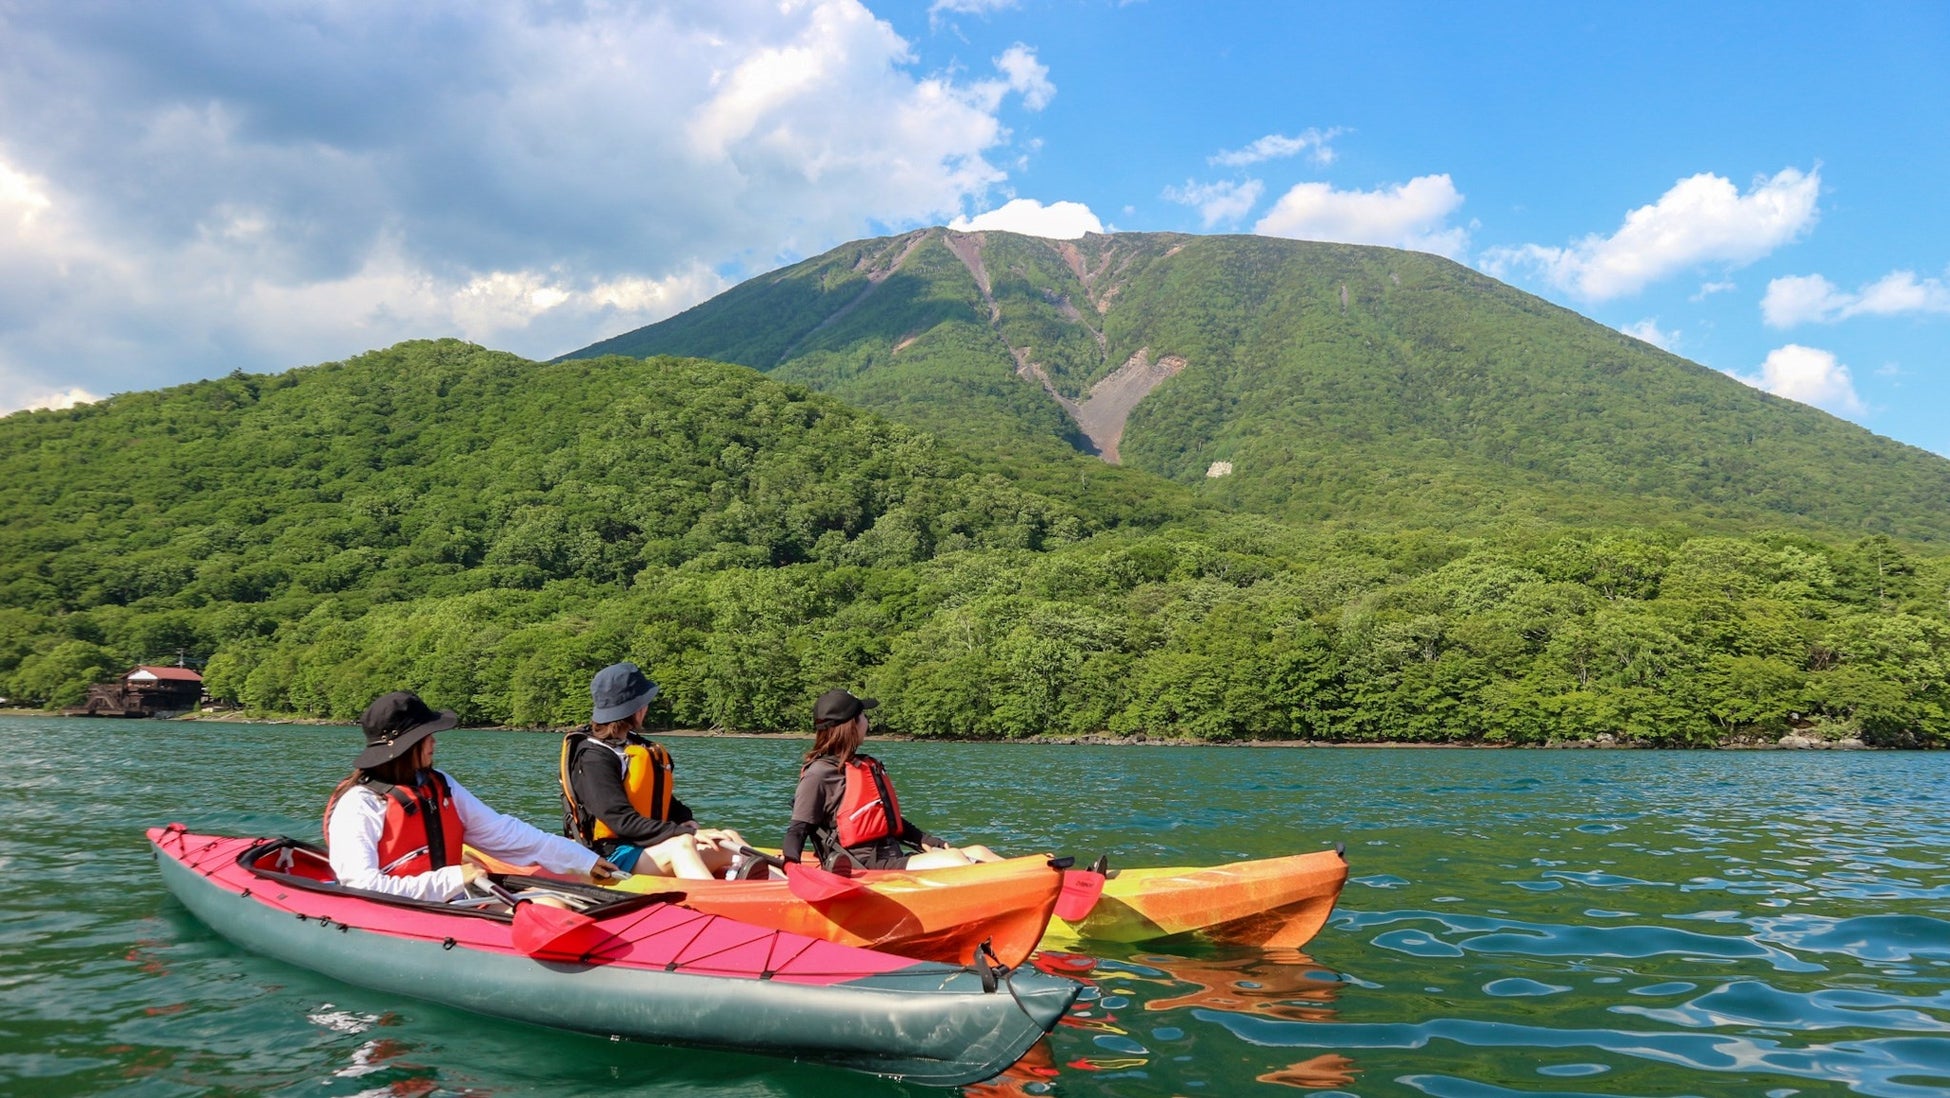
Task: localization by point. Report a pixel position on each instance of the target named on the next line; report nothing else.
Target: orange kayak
(937, 915)
(1274, 903)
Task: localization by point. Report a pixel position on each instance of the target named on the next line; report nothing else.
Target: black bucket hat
(394, 722)
(838, 707)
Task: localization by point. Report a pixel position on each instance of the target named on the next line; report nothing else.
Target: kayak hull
(658, 972)
(1272, 903)
(937, 914)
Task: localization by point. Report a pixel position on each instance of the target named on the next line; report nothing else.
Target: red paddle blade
(815, 885)
(1080, 891)
(540, 928)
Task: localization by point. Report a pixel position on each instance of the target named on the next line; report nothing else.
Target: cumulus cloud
(242, 185)
(1809, 375)
(1649, 331)
(1411, 215)
(19, 395)
(1801, 299)
(1701, 219)
(1278, 146)
(1056, 221)
(1224, 202)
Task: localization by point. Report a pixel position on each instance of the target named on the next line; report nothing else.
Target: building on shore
(146, 691)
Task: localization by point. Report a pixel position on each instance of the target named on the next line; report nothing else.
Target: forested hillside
(489, 531)
(1342, 384)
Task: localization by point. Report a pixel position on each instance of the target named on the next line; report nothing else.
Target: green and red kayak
(639, 967)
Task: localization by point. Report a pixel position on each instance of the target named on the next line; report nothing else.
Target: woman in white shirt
(396, 825)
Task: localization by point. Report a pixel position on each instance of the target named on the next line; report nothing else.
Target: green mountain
(217, 514)
(489, 531)
(1334, 381)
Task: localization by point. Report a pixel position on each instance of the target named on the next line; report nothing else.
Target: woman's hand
(471, 872)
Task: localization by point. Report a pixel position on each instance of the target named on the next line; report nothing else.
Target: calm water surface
(1517, 923)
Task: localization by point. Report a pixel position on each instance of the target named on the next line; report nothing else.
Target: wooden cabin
(146, 692)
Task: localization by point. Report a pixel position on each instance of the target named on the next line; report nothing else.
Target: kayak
(1273, 903)
(636, 967)
(936, 914)
(933, 915)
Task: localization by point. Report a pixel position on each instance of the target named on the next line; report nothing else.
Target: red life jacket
(868, 808)
(422, 830)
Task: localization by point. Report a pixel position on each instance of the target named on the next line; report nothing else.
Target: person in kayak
(845, 802)
(396, 825)
(618, 795)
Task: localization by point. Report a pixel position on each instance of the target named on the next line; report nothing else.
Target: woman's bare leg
(942, 858)
(678, 856)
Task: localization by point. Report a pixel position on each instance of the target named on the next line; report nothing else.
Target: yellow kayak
(1273, 903)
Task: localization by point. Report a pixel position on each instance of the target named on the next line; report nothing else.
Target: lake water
(1516, 923)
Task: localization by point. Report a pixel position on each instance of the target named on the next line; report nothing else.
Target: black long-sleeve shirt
(596, 775)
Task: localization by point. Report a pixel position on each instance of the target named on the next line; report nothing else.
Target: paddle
(807, 881)
(1081, 887)
(540, 928)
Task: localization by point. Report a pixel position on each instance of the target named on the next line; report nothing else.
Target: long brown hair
(401, 769)
(836, 740)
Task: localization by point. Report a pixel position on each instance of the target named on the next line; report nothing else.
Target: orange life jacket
(868, 808)
(422, 831)
(649, 779)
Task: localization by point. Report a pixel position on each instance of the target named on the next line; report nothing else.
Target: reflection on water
(1518, 923)
(1124, 1021)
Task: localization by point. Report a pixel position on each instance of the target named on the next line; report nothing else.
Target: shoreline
(1785, 743)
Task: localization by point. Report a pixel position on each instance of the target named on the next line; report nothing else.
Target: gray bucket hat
(618, 691)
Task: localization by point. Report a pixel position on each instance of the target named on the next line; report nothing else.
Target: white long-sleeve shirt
(352, 838)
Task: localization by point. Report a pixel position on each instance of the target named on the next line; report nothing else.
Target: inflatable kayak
(1274, 903)
(638, 967)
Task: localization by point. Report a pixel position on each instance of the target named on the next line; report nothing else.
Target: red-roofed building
(146, 691)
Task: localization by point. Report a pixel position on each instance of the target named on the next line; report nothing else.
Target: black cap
(394, 722)
(838, 707)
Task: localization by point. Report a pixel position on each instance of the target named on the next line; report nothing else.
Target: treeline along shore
(488, 531)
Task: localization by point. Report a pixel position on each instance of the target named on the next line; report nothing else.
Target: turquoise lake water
(1516, 923)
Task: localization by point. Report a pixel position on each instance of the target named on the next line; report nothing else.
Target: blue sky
(186, 190)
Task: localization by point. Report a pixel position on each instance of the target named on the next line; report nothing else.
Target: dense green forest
(1343, 384)
(489, 531)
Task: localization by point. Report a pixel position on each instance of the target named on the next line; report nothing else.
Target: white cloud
(1409, 215)
(1708, 289)
(1056, 221)
(1809, 375)
(19, 395)
(1027, 76)
(1800, 299)
(1222, 202)
(267, 185)
(970, 7)
(1701, 219)
(1277, 146)
(1649, 331)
